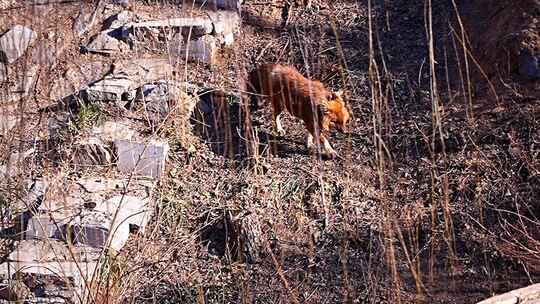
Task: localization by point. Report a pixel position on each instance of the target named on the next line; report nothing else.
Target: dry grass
(426, 201)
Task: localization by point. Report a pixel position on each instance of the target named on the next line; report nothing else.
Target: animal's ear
(336, 95)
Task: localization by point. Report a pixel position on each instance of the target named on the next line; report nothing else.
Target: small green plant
(88, 115)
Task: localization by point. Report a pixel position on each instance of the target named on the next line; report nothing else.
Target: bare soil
(446, 219)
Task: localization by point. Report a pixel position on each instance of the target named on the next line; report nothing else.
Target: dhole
(306, 99)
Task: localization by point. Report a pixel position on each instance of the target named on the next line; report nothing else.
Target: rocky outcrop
(526, 295)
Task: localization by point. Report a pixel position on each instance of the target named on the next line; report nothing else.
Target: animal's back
(288, 83)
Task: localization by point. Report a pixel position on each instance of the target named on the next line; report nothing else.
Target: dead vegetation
(435, 201)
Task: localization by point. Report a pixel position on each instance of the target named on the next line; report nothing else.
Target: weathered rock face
(526, 295)
(105, 43)
(14, 43)
(125, 78)
(92, 151)
(147, 159)
(118, 20)
(76, 78)
(3, 72)
(95, 214)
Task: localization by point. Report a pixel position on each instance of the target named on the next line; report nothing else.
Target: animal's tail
(254, 84)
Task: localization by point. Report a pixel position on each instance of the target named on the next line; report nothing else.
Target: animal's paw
(332, 154)
(281, 132)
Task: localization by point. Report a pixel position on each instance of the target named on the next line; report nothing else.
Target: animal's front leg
(310, 142)
(277, 124)
(328, 150)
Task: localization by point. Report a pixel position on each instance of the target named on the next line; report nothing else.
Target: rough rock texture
(526, 295)
(147, 159)
(14, 43)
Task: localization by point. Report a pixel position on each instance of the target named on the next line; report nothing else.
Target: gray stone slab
(140, 158)
(13, 44)
(113, 130)
(110, 89)
(104, 43)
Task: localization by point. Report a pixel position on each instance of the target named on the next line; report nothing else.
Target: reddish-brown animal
(306, 99)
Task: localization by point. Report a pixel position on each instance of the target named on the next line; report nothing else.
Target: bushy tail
(254, 85)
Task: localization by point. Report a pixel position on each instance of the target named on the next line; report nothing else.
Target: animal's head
(335, 112)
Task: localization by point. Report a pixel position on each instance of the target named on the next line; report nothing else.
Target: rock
(14, 43)
(143, 71)
(100, 185)
(226, 26)
(76, 78)
(125, 78)
(526, 295)
(155, 99)
(118, 20)
(153, 92)
(92, 151)
(141, 159)
(528, 65)
(44, 227)
(117, 214)
(204, 49)
(46, 52)
(198, 26)
(104, 43)
(3, 72)
(113, 130)
(123, 3)
(16, 162)
(70, 276)
(52, 251)
(110, 89)
(85, 20)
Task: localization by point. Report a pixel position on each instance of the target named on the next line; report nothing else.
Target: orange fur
(306, 99)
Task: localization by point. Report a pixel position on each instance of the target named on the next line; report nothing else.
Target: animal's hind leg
(277, 112)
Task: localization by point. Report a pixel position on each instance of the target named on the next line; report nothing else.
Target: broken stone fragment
(3, 72)
(118, 20)
(196, 25)
(154, 99)
(16, 163)
(76, 78)
(109, 223)
(86, 18)
(92, 151)
(104, 43)
(203, 49)
(45, 227)
(70, 276)
(125, 78)
(51, 250)
(14, 43)
(110, 89)
(146, 159)
(113, 130)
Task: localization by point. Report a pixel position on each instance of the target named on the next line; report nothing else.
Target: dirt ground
(450, 216)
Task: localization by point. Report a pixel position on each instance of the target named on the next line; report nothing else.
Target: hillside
(135, 167)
